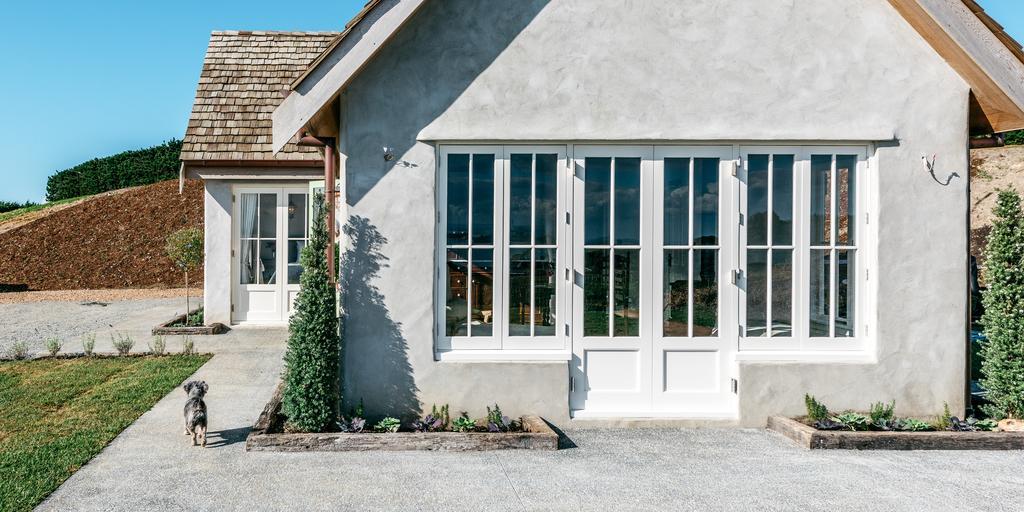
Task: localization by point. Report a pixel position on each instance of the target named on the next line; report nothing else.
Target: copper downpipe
(330, 194)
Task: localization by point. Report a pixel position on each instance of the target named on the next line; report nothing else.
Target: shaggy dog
(195, 411)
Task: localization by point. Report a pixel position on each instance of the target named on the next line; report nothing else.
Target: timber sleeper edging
(536, 435)
(167, 328)
(814, 439)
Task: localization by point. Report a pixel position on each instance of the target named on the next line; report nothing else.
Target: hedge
(1015, 138)
(9, 206)
(127, 169)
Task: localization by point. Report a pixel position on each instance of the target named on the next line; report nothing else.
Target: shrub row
(7, 206)
(127, 169)
(1015, 138)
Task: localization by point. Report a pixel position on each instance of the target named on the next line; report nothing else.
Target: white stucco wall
(217, 264)
(660, 70)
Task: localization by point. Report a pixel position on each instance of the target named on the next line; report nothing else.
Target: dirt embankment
(109, 241)
(992, 170)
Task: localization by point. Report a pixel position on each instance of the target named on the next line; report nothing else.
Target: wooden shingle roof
(245, 76)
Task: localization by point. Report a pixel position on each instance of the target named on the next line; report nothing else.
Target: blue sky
(88, 79)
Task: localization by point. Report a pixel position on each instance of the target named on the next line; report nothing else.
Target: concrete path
(150, 466)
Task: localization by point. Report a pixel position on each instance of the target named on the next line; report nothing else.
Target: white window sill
(491, 356)
(824, 356)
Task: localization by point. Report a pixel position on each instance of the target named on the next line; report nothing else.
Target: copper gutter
(330, 193)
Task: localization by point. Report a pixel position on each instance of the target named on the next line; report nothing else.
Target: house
(609, 210)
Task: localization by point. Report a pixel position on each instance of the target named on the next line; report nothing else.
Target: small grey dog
(195, 411)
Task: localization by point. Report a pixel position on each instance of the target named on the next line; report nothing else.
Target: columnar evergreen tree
(311, 392)
(1003, 353)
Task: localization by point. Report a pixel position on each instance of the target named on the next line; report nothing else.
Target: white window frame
(801, 343)
(500, 345)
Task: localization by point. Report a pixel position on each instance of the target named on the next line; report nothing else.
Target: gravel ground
(96, 295)
(151, 467)
(34, 322)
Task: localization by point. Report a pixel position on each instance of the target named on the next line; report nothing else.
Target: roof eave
(376, 25)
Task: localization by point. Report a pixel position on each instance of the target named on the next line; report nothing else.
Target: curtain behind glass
(248, 252)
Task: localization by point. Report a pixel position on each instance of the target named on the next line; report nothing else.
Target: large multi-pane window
(501, 231)
(802, 232)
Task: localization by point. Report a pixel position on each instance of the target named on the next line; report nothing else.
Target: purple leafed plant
(496, 421)
(428, 423)
(353, 425)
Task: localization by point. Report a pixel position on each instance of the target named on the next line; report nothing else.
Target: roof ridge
(325, 33)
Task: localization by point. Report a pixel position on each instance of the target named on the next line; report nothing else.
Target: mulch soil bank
(114, 241)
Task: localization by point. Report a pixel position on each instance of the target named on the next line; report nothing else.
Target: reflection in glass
(483, 199)
(597, 202)
(547, 199)
(249, 228)
(457, 286)
(268, 216)
(295, 250)
(675, 294)
(846, 180)
(821, 199)
(782, 199)
(520, 198)
(595, 292)
(677, 201)
(757, 200)
(544, 293)
(294, 274)
(705, 201)
(820, 284)
(627, 201)
(519, 309)
(268, 261)
(782, 293)
(845, 297)
(482, 292)
(705, 292)
(297, 215)
(757, 292)
(458, 199)
(627, 293)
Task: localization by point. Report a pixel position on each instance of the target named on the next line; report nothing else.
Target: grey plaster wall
(659, 70)
(217, 262)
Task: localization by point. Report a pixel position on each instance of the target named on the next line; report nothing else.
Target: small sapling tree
(1003, 352)
(311, 392)
(185, 249)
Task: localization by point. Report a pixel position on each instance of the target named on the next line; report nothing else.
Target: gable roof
(244, 78)
(973, 43)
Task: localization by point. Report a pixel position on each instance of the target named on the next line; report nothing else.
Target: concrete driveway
(151, 467)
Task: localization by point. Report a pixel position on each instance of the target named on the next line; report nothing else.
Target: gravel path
(96, 295)
(34, 322)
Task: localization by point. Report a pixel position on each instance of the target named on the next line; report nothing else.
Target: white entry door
(654, 326)
(271, 227)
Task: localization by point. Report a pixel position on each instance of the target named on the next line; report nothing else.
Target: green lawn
(21, 211)
(56, 414)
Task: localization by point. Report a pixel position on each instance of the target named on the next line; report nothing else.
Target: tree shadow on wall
(375, 359)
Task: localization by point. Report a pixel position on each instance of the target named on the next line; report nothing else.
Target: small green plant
(915, 425)
(816, 411)
(188, 347)
(53, 345)
(986, 424)
(882, 412)
(185, 250)
(853, 420)
(389, 425)
(88, 343)
(464, 423)
(496, 421)
(18, 351)
(122, 342)
(158, 345)
(942, 421)
(441, 413)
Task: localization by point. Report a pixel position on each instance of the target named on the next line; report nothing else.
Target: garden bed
(267, 435)
(814, 439)
(177, 326)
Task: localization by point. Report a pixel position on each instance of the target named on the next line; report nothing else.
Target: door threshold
(582, 419)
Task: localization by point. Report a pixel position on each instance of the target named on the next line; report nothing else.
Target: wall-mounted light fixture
(389, 153)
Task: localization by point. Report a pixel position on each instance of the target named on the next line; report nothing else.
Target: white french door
(654, 313)
(271, 226)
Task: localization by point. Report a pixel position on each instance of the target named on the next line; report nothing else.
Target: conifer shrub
(1003, 352)
(311, 377)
